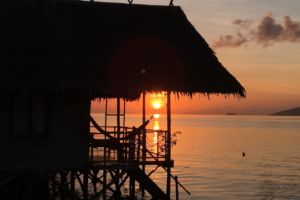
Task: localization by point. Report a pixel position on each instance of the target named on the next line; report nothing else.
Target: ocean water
(209, 162)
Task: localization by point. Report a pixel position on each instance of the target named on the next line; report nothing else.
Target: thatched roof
(105, 50)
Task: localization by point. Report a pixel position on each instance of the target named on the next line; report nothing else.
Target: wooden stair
(148, 184)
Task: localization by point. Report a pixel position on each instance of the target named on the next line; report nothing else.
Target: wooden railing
(130, 146)
(129, 143)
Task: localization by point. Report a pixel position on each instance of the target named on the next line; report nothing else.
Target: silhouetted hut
(55, 57)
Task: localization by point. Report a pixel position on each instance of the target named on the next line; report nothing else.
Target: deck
(121, 151)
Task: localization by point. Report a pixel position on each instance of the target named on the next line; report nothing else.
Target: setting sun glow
(156, 104)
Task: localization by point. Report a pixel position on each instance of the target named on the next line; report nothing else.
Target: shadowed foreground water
(209, 162)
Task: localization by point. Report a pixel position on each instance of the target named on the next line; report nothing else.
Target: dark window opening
(29, 116)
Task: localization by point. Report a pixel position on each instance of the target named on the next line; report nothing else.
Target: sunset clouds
(265, 33)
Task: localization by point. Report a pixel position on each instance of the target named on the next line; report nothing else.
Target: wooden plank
(113, 144)
(160, 163)
(148, 184)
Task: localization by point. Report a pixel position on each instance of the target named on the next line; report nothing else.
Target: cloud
(230, 40)
(292, 30)
(242, 23)
(266, 32)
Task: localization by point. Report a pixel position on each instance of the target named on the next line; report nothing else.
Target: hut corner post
(144, 140)
(168, 156)
(119, 153)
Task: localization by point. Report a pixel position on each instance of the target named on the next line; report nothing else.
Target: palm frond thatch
(105, 50)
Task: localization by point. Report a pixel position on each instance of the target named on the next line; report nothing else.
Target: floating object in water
(244, 154)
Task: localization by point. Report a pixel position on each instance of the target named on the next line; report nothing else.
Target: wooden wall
(44, 132)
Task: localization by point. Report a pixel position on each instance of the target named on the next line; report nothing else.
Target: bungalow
(57, 56)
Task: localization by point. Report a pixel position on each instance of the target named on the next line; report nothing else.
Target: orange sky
(261, 50)
(199, 104)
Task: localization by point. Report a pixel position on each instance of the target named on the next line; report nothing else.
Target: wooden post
(144, 140)
(72, 181)
(63, 182)
(144, 131)
(144, 107)
(85, 184)
(168, 155)
(91, 154)
(104, 181)
(106, 153)
(53, 185)
(124, 112)
(119, 152)
(176, 185)
(118, 125)
(132, 187)
(131, 158)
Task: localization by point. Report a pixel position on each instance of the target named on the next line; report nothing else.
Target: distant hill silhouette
(290, 112)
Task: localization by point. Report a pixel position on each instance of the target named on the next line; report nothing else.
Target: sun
(156, 104)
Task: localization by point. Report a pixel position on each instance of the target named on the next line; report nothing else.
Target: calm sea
(209, 162)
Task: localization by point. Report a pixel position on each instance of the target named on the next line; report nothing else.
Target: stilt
(144, 140)
(176, 188)
(132, 187)
(106, 153)
(72, 182)
(168, 155)
(119, 153)
(53, 185)
(85, 184)
(104, 184)
(118, 127)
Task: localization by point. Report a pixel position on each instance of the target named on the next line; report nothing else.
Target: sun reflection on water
(155, 135)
